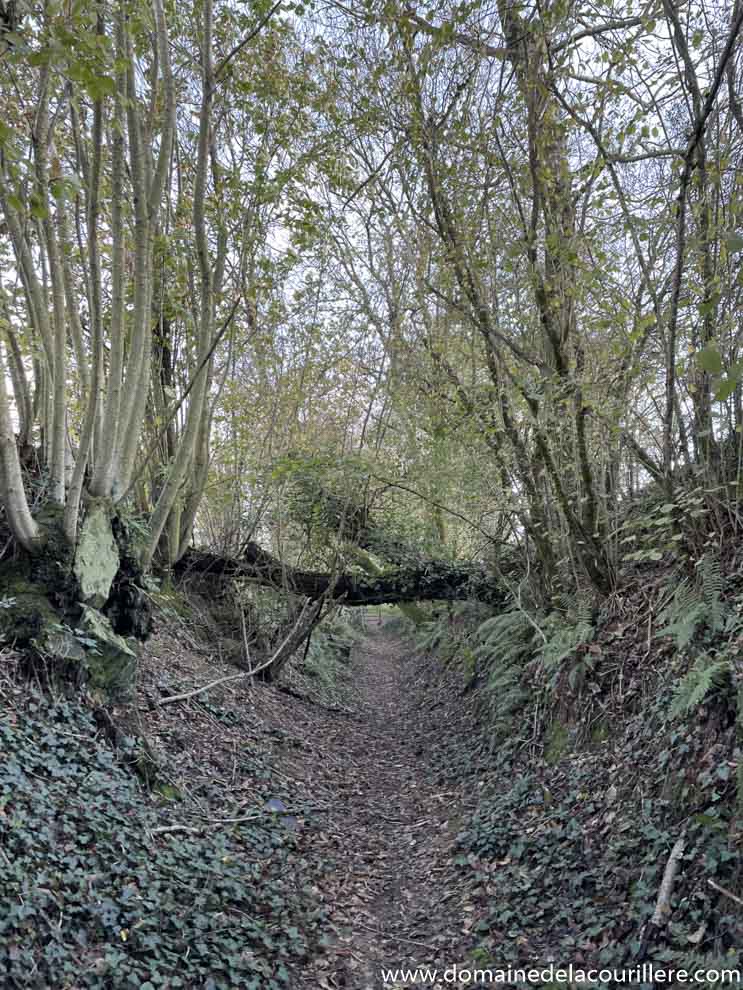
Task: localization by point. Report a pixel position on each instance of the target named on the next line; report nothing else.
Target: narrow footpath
(374, 804)
(390, 885)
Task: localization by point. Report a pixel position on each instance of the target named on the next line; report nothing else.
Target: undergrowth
(569, 857)
(514, 656)
(92, 895)
(326, 662)
(706, 629)
(524, 653)
(563, 865)
(610, 734)
(322, 670)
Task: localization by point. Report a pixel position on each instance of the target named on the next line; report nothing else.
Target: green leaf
(100, 86)
(725, 388)
(709, 360)
(734, 242)
(38, 208)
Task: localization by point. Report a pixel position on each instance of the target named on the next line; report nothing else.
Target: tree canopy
(381, 290)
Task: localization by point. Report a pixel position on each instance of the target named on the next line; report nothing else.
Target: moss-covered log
(429, 581)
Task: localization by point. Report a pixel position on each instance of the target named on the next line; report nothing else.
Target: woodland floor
(338, 825)
(374, 820)
(389, 830)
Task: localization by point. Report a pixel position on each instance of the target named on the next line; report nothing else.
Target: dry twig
(288, 645)
(725, 892)
(663, 903)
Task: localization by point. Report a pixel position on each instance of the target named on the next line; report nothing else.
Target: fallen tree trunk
(429, 581)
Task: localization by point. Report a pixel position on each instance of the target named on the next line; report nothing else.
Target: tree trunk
(429, 581)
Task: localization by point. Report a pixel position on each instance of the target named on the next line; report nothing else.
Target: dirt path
(386, 841)
(376, 792)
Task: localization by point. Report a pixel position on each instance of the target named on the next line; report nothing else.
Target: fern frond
(428, 638)
(564, 641)
(507, 692)
(683, 615)
(578, 608)
(694, 687)
(499, 623)
(712, 589)
(695, 606)
(503, 644)
(504, 639)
